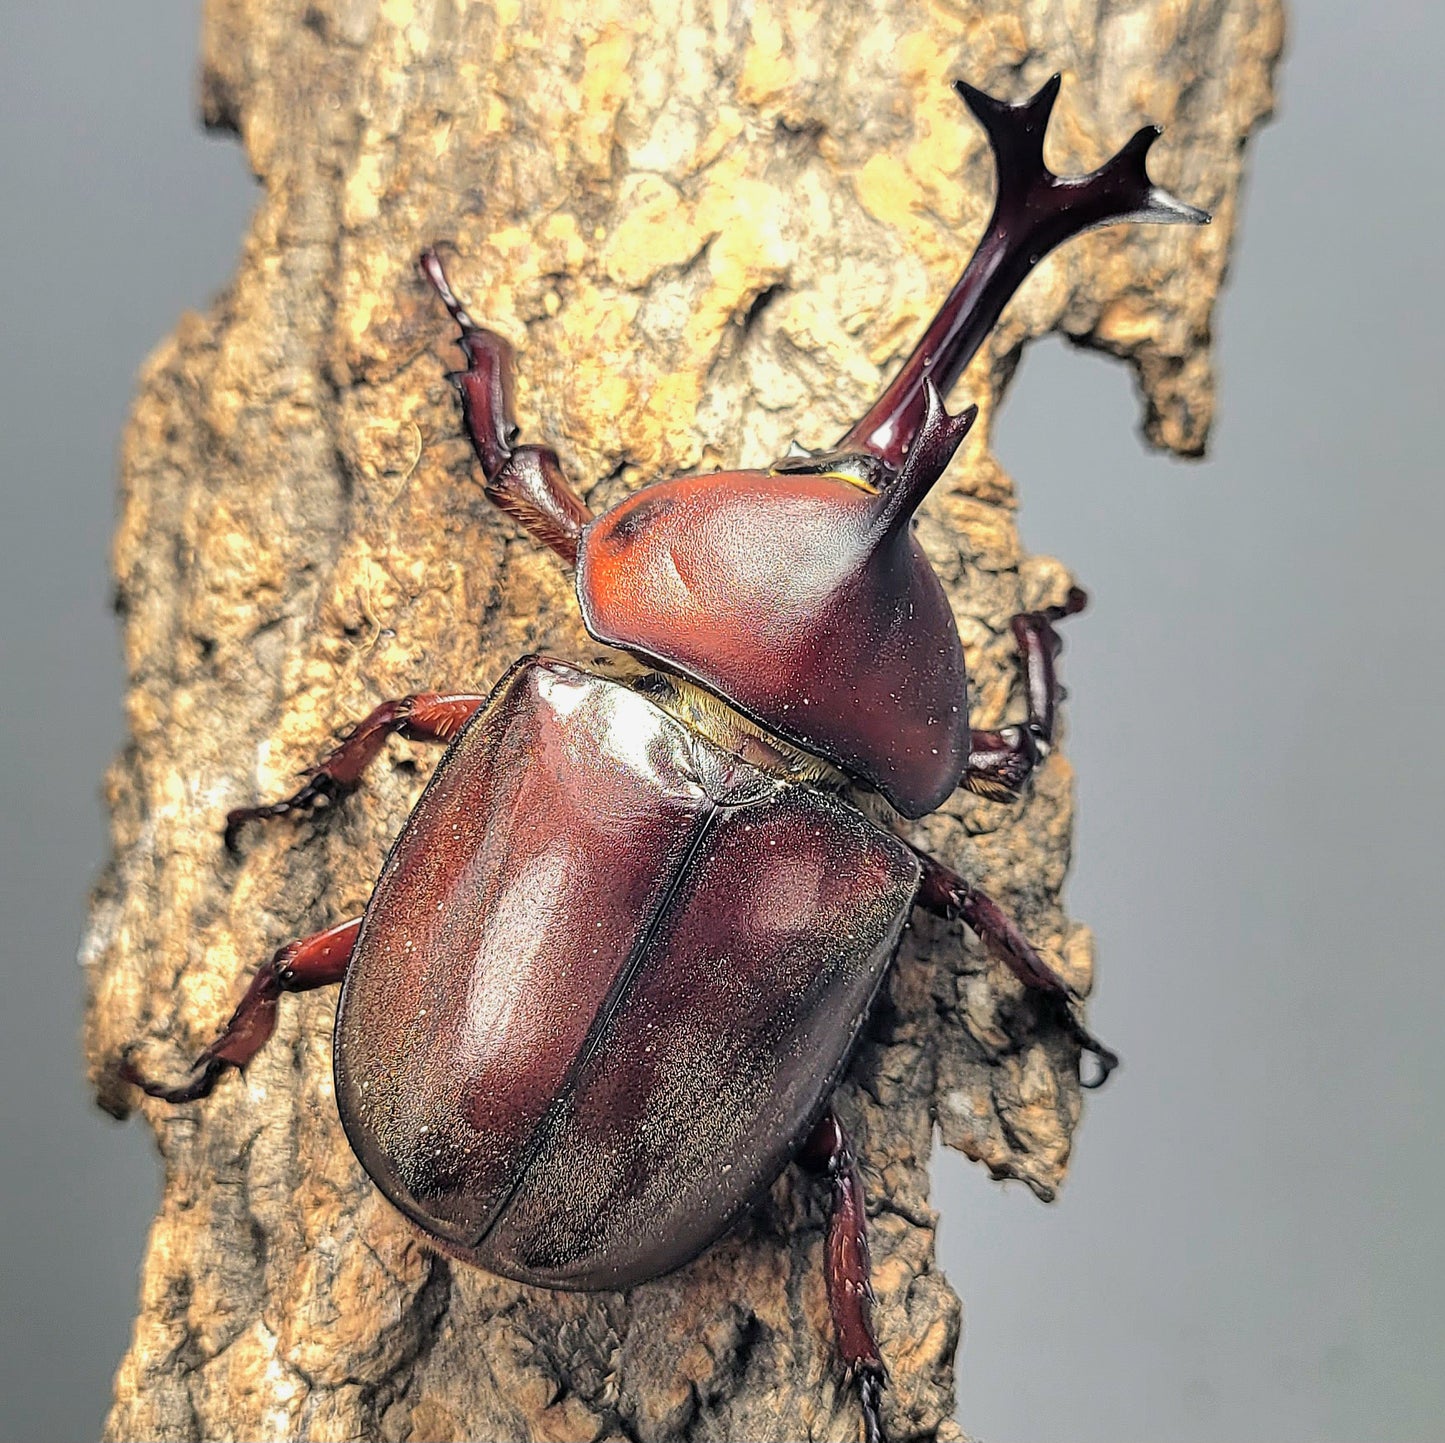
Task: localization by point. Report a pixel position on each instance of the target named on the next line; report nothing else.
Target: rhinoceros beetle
(620, 953)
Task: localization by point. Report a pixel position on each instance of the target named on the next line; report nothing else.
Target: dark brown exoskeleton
(619, 956)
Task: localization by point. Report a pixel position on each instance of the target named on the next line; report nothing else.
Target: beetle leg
(946, 894)
(999, 763)
(1035, 211)
(316, 961)
(829, 1153)
(426, 716)
(526, 482)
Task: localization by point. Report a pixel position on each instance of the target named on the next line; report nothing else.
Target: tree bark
(708, 230)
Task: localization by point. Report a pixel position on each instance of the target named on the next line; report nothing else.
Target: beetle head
(800, 596)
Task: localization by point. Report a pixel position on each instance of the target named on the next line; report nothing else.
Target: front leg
(946, 894)
(524, 481)
(999, 763)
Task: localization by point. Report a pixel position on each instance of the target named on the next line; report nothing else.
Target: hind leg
(946, 894)
(320, 960)
(828, 1153)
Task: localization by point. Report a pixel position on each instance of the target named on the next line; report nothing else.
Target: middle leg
(426, 716)
(946, 894)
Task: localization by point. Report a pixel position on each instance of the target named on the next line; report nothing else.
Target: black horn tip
(1010, 122)
(1043, 98)
(1128, 172)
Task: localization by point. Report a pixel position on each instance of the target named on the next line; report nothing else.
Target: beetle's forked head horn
(1034, 211)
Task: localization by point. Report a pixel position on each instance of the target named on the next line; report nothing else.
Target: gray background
(1250, 1247)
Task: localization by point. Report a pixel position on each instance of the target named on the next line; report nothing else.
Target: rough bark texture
(707, 230)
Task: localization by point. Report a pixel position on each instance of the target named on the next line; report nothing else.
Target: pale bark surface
(708, 229)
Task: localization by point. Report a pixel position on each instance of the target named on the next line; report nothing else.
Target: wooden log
(708, 230)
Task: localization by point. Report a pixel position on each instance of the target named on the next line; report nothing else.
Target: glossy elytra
(621, 951)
